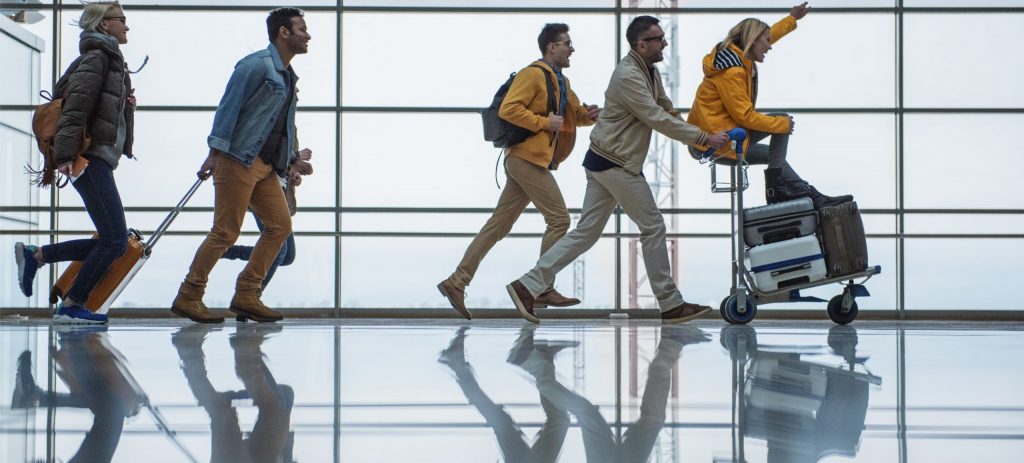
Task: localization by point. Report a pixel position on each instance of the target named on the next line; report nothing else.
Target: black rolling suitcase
(842, 236)
(779, 222)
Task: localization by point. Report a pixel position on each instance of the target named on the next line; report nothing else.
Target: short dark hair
(549, 34)
(638, 26)
(281, 17)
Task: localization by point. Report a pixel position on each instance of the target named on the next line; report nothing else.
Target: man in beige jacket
(635, 104)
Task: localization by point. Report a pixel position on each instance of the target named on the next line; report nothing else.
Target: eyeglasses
(659, 38)
(123, 19)
(567, 43)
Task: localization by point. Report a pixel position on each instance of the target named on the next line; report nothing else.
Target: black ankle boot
(822, 201)
(776, 190)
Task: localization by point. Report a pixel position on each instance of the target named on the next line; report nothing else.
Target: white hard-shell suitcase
(787, 263)
(779, 222)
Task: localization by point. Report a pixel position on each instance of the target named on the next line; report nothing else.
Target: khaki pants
(526, 183)
(236, 189)
(605, 190)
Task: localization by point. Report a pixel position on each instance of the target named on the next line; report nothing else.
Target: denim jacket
(252, 99)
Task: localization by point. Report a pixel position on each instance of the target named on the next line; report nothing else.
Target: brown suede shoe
(554, 299)
(523, 300)
(456, 297)
(194, 310)
(250, 306)
(684, 312)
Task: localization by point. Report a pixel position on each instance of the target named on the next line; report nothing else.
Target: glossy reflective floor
(599, 391)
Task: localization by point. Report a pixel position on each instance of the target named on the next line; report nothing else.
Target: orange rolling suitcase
(123, 269)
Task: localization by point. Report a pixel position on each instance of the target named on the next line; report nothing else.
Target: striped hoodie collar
(727, 58)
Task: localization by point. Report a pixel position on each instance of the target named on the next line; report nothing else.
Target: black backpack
(504, 133)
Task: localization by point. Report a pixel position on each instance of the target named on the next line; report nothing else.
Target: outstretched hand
(799, 11)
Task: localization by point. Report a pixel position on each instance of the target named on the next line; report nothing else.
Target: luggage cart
(740, 306)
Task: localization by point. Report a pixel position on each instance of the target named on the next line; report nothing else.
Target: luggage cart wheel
(733, 315)
(842, 309)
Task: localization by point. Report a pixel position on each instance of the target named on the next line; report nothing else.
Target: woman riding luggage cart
(785, 255)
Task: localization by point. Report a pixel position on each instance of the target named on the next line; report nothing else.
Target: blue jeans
(285, 257)
(103, 203)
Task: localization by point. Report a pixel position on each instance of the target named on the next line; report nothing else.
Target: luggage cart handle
(737, 136)
(173, 215)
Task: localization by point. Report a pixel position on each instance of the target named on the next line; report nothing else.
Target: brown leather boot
(250, 306)
(554, 299)
(456, 297)
(187, 304)
(684, 312)
(523, 300)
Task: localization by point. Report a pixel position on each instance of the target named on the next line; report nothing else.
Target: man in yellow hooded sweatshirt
(529, 164)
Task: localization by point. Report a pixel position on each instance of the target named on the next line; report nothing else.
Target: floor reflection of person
(638, 441)
(803, 406)
(537, 358)
(513, 443)
(270, 434)
(97, 379)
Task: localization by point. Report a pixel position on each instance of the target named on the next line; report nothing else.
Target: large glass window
(894, 104)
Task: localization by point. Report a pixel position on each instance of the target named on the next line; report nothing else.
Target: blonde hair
(94, 12)
(744, 34)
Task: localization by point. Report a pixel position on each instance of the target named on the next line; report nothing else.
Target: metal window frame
(899, 213)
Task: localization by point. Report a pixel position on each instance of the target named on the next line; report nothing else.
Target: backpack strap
(552, 97)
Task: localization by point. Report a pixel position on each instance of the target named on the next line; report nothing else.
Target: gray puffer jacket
(95, 91)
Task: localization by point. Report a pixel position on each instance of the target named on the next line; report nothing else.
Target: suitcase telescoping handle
(173, 215)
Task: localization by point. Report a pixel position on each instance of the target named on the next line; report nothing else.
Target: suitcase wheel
(842, 309)
(733, 315)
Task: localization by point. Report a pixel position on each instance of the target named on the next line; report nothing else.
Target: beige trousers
(526, 183)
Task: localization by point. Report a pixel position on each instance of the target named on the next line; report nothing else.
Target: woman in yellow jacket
(726, 98)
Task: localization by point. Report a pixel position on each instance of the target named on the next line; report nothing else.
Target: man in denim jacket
(251, 146)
